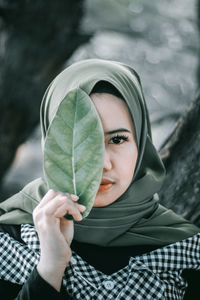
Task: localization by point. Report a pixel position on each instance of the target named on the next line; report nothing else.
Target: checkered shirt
(154, 275)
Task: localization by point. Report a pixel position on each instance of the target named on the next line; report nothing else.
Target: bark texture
(36, 39)
(181, 156)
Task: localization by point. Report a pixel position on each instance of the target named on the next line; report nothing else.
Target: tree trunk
(181, 156)
(36, 39)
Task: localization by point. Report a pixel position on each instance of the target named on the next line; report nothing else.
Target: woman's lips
(105, 184)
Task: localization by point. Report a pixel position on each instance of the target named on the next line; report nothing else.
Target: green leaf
(74, 149)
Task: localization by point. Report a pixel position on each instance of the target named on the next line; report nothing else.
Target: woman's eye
(118, 140)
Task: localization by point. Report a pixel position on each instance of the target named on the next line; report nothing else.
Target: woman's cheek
(129, 164)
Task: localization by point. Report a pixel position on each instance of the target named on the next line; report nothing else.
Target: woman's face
(120, 148)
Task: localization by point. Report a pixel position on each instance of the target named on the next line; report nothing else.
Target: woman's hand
(55, 233)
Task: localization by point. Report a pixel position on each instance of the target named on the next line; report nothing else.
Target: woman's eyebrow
(117, 130)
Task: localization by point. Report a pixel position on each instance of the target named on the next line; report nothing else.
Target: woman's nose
(107, 162)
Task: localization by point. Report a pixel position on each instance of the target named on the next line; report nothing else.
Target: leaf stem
(73, 166)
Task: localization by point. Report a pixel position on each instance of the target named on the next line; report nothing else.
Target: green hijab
(136, 218)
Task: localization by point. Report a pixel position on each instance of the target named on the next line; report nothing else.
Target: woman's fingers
(71, 209)
(73, 197)
(59, 204)
(75, 211)
(50, 208)
(51, 194)
(54, 231)
(47, 197)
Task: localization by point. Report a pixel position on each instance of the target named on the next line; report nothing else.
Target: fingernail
(80, 218)
(74, 197)
(83, 207)
(51, 191)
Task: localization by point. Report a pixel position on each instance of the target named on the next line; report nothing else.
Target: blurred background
(160, 39)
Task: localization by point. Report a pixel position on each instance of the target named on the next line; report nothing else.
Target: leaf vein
(56, 164)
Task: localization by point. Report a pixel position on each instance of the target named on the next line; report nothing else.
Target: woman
(128, 247)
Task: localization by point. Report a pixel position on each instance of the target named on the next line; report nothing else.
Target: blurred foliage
(159, 39)
(35, 41)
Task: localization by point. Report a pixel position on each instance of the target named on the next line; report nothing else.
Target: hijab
(136, 217)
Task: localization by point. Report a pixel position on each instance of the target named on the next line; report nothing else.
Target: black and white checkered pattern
(155, 275)
(17, 261)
